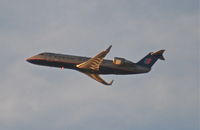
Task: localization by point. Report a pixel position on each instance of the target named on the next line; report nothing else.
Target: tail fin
(151, 58)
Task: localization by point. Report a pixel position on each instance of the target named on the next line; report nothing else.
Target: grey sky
(34, 97)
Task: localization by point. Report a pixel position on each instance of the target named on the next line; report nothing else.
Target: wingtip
(108, 49)
(111, 82)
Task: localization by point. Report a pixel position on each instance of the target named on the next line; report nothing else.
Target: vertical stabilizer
(150, 59)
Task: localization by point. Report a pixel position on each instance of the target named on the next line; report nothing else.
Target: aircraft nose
(31, 59)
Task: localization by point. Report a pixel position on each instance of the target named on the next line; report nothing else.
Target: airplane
(97, 65)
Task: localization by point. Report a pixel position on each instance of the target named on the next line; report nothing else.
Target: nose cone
(29, 59)
(32, 59)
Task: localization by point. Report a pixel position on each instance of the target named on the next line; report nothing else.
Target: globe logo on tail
(147, 61)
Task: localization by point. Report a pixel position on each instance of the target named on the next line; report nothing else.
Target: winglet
(98, 78)
(105, 83)
(111, 82)
(108, 49)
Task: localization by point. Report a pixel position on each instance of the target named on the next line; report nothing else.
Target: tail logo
(147, 61)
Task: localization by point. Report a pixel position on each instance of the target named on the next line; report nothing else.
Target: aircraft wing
(94, 62)
(98, 78)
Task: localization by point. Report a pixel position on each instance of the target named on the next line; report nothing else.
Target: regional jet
(97, 65)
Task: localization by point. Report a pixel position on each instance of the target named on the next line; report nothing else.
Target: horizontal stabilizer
(160, 54)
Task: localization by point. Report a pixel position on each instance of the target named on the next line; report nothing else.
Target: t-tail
(150, 59)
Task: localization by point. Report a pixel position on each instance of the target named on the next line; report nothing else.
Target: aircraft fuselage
(71, 62)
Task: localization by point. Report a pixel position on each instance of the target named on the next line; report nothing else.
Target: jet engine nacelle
(122, 61)
(119, 61)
